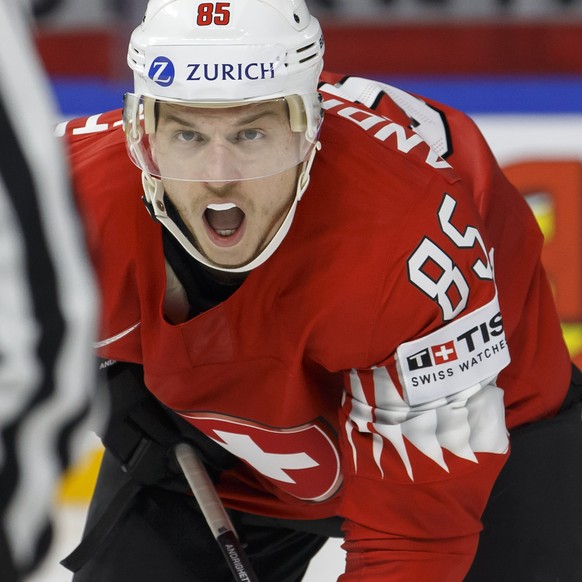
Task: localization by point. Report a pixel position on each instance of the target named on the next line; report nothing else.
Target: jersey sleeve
(424, 432)
(536, 381)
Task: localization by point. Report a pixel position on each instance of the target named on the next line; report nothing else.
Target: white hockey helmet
(225, 54)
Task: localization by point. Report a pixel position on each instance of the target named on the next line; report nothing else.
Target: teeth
(226, 233)
(221, 207)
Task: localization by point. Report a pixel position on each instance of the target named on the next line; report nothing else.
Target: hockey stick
(215, 514)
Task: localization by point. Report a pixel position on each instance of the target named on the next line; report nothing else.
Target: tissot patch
(457, 356)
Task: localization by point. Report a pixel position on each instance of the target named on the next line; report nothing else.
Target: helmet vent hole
(308, 56)
(306, 47)
(307, 59)
(297, 19)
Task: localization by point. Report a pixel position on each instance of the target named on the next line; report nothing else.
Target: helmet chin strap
(154, 201)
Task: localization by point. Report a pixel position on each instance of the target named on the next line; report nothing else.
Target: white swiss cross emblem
(444, 353)
(302, 461)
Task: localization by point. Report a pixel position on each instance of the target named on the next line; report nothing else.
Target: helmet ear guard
(306, 114)
(297, 114)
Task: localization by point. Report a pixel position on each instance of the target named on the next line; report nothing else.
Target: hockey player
(344, 316)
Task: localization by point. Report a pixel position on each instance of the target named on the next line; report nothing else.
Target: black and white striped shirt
(47, 305)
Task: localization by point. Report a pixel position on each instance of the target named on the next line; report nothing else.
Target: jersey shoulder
(94, 133)
(104, 177)
(364, 119)
(108, 191)
(450, 133)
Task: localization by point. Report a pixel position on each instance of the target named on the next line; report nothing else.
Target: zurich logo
(162, 71)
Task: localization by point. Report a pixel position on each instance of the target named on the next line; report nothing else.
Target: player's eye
(250, 135)
(188, 136)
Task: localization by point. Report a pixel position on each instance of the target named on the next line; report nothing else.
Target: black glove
(142, 433)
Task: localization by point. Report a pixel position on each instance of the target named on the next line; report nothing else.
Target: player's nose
(220, 166)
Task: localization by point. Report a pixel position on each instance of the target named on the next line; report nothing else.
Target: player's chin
(228, 258)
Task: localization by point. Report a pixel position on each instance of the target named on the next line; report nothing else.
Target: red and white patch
(444, 353)
(302, 461)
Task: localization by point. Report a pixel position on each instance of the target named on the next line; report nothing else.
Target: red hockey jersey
(370, 367)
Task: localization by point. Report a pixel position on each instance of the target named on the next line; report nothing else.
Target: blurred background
(515, 66)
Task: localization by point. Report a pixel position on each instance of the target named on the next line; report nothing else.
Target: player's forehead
(272, 111)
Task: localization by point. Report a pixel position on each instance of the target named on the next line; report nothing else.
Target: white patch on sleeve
(463, 353)
(471, 422)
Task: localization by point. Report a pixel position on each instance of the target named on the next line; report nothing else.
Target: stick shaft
(214, 513)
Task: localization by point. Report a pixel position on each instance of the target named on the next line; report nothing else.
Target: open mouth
(224, 221)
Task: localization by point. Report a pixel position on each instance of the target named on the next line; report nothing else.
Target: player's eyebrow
(246, 120)
(255, 117)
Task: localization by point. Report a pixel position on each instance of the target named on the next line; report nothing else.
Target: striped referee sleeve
(47, 306)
